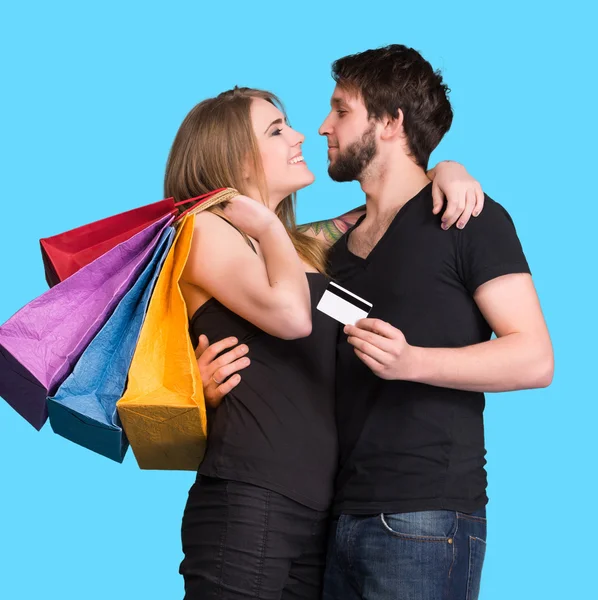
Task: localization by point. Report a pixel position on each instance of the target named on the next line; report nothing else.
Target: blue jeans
(429, 555)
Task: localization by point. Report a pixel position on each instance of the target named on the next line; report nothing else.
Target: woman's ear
(247, 169)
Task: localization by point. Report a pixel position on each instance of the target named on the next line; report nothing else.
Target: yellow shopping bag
(163, 410)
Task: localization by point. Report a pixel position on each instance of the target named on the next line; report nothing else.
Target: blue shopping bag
(84, 408)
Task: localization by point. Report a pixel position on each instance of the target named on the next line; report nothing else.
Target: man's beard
(351, 164)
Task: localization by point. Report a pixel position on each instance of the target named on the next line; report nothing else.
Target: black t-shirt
(276, 429)
(409, 446)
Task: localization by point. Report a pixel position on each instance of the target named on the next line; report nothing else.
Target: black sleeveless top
(276, 429)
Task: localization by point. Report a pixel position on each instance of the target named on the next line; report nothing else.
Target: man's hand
(382, 347)
(215, 371)
(464, 195)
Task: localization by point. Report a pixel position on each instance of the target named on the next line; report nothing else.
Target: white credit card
(343, 305)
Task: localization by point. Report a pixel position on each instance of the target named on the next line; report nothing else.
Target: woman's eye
(277, 132)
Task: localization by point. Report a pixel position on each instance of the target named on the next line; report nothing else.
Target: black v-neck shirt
(409, 446)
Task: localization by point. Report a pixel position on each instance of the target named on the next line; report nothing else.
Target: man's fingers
(376, 326)
(228, 385)
(229, 357)
(215, 349)
(202, 345)
(368, 349)
(379, 341)
(469, 206)
(369, 362)
(479, 196)
(223, 372)
(437, 197)
(214, 398)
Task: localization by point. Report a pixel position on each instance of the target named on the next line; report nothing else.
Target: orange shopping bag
(162, 410)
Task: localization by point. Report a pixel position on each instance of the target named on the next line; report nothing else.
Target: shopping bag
(40, 344)
(66, 253)
(163, 409)
(84, 408)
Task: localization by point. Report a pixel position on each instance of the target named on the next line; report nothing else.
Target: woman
(256, 519)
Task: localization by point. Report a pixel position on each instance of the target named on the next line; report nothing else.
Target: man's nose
(325, 127)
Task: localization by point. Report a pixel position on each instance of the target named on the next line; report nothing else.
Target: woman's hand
(250, 216)
(464, 195)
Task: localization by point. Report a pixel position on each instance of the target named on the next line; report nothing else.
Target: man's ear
(393, 128)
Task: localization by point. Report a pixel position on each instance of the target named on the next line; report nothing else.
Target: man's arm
(491, 266)
(520, 357)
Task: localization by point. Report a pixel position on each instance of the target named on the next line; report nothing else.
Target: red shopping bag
(65, 253)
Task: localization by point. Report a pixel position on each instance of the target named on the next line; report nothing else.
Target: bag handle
(206, 201)
(177, 204)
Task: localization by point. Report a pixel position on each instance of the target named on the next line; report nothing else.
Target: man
(411, 491)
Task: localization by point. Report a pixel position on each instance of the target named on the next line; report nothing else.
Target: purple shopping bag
(40, 344)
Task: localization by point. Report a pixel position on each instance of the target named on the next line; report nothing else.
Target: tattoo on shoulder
(333, 229)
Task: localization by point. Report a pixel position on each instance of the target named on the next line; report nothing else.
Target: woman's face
(280, 150)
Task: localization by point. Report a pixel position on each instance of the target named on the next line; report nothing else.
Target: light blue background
(92, 95)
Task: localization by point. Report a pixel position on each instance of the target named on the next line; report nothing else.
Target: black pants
(243, 541)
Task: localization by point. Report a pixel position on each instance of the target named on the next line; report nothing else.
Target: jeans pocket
(477, 517)
(425, 526)
(477, 551)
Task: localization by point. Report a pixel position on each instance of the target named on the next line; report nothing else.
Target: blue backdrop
(92, 95)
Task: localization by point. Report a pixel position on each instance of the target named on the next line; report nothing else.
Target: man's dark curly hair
(396, 77)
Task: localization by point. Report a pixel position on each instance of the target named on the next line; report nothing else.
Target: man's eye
(340, 113)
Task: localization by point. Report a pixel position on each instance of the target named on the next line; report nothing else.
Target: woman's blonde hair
(213, 146)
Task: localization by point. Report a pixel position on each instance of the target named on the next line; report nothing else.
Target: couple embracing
(347, 461)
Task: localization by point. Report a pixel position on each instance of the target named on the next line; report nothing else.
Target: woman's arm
(331, 230)
(463, 194)
(451, 182)
(272, 293)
